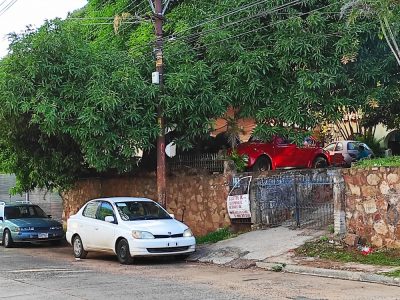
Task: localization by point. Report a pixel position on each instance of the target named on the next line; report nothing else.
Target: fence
(213, 162)
(295, 200)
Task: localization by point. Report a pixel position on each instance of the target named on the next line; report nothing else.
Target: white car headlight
(142, 235)
(187, 233)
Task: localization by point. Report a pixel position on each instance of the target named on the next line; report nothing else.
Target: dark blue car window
(352, 146)
(23, 211)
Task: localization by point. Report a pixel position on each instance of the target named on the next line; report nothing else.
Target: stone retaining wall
(198, 199)
(373, 205)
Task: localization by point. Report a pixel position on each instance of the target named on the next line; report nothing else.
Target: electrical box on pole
(155, 77)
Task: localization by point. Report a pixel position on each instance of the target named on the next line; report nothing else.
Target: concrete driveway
(259, 245)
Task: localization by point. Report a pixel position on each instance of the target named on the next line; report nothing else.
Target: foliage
(278, 267)
(69, 108)
(391, 161)
(325, 250)
(385, 11)
(395, 273)
(239, 160)
(215, 236)
(383, 101)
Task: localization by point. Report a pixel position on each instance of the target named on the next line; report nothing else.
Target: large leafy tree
(375, 67)
(68, 108)
(77, 98)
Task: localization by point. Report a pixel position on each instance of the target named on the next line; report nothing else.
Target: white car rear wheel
(79, 251)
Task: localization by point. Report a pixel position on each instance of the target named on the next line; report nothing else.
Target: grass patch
(391, 161)
(337, 252)
(215, 236)
(395, 273)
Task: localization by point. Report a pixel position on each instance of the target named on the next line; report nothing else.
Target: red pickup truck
(280, 153)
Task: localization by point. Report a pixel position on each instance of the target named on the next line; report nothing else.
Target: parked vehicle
(343, 153)
(25, 222)
(281, 153)
(128, 227)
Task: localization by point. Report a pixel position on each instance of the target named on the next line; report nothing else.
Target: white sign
(238, 201)
(155, 77)
(239, 206)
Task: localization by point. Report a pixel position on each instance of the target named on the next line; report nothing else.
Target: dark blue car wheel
(7, 239)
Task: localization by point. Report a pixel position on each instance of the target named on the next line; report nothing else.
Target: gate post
(296, 201)
(339, 206)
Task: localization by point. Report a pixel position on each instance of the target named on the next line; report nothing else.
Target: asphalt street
(38, 272)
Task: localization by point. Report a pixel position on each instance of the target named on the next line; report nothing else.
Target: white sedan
(128, 227)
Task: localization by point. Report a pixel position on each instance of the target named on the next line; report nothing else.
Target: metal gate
(295, 200)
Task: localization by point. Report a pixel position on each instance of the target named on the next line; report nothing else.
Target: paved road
(37, 272)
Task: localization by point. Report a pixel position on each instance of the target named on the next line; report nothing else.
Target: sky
(31, 12)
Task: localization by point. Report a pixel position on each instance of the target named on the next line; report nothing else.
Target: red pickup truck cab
(280, 153)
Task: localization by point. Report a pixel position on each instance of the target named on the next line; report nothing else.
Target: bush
(239, 160)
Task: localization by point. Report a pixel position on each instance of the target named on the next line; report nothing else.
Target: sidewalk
(272, 250)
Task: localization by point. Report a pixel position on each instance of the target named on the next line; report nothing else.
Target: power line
(251, 31)
(237, 10)
(139, 12)
(100, 23)
(222, 26)
(7, 7)
(192, 37)
(234, 11)
(3, 2)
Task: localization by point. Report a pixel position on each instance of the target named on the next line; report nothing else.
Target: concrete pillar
(339, 205)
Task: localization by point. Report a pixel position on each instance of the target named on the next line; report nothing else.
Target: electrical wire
(3, 2)
(236, 10)
(192, 37)
(195, 36)
(139, 12)
(7, 7)
(251, 31)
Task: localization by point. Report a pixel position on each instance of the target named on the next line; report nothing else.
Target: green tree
(385, 11)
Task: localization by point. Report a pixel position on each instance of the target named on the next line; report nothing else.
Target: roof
(123, 199)
(16, 203)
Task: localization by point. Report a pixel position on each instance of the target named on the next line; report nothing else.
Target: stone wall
(198, 199)
(373, 205)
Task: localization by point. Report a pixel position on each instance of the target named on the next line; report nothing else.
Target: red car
(281, 153)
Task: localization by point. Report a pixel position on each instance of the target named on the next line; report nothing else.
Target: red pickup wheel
(320, 162)
(262, 164)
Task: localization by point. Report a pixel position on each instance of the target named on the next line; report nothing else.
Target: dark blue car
(26, 222)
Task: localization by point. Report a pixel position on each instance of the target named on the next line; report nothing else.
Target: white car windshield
(141, 210)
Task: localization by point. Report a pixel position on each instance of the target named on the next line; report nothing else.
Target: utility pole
(158, 78)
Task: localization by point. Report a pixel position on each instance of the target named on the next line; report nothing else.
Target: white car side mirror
(172, 216)
(109, 219)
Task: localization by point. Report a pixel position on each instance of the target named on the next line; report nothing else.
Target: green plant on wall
(240, 161)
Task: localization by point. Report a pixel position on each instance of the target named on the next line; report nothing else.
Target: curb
(329, 273)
